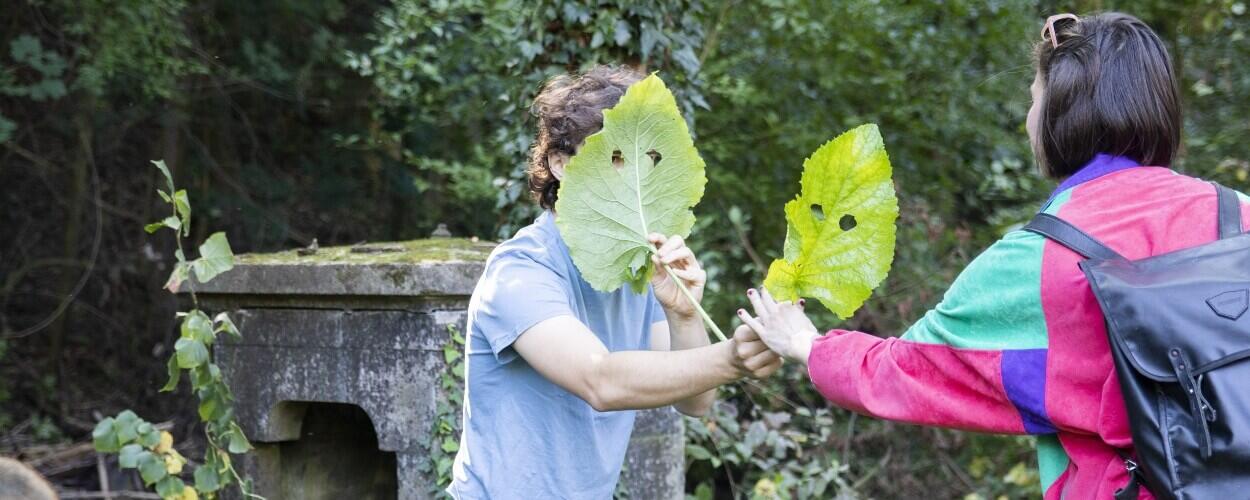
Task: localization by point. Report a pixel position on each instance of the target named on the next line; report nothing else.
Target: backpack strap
(1063, 233)
(1230, 211)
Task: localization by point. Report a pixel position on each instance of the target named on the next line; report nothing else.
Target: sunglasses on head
(1048, 30)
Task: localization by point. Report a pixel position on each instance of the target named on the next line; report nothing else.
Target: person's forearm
(651, 379)
(688, 332)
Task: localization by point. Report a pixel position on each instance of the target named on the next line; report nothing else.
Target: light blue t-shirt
(525, 437)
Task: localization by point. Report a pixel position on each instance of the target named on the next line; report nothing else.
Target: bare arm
(688, 334)
(567, 353)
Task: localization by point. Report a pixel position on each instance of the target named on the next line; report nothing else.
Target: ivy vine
(137, 443)
(444, 440)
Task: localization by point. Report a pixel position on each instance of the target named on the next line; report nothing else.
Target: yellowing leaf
(166, 443)
(174, 463)
(640, 174)
(840, 229)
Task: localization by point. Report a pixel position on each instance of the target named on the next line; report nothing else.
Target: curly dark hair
(569, 109)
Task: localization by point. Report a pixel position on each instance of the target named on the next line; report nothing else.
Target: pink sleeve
(914, 382)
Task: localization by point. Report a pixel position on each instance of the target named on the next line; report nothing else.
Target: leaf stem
(686, 291)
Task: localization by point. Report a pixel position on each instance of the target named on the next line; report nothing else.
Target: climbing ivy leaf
(169, 178)
(128, 457)
(238, 441)
(206, 479)
(215, 258)
(151, 468)
(225, 324)
(104, 436)
(196, 325)
(190, 353)
(640, 174)
(840, 229)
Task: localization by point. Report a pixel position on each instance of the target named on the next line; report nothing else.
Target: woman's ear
(556, 162)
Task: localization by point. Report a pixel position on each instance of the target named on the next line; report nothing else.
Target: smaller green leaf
(149, 435)
(202, 376)
(840, 228)
(450, 445)
(210, 408)
(169, 178)
(104, 436)
(196, 325)
(151, 468)
(177, 276)
(450, 353)
(175, 373)
(206, 479)
(170, 487)
(128, 457)
(698, 452)
(225, 324)
(190, 353)
(127, 426)
(164, 196)
(238, 442)
(182, 206)
(154, 227)
(215, 258)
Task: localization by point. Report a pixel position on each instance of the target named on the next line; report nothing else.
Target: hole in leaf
(655, 157)
(618, 160)
(818, 212)
(847, 222)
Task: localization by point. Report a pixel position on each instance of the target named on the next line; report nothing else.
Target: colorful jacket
(1018, 344)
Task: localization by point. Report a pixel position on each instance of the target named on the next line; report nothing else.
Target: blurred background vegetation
(352, 120)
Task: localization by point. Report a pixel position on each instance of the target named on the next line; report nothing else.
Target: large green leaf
(840, 229)
(640, 174)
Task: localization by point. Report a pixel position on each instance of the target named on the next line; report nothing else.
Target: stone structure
(336, 379)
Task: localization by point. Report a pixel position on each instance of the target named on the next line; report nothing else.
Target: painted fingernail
(742, 312)
(750, 291)
(802, 302)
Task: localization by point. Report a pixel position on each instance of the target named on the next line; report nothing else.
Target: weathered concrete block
(337, 378)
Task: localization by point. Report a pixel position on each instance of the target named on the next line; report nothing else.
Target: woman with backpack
(1019, 343)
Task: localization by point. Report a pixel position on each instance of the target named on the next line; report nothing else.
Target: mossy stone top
(438, 267)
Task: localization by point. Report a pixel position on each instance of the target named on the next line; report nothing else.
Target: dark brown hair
(1108, 87)
(569, 109)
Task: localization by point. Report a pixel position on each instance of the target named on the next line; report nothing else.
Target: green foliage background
(342, 121)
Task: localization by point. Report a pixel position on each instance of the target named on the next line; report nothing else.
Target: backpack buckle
(1199, 407)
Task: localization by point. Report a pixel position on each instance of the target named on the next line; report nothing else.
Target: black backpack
(1180, 337)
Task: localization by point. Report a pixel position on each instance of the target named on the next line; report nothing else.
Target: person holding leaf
(555, 367)
(1018, 343)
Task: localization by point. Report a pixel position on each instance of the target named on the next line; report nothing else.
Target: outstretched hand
(754, 359)
(782, 326)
